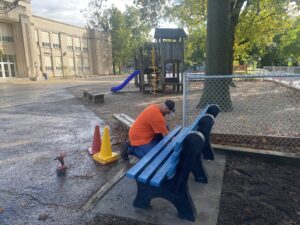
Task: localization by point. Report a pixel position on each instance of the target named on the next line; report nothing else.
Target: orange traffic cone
(96, 142)
(105, 155)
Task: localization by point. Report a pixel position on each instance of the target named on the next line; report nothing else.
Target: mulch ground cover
(258, 193)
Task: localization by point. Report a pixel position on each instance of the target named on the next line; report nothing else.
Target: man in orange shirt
(148, 129)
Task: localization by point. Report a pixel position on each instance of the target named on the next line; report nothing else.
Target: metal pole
(184, 104)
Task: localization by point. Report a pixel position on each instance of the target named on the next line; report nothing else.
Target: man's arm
(159, 127)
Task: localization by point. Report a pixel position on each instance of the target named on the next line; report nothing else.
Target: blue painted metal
(160, 158)
(126, 81)
(161, 173)
(175, 158)
(169, 167)
(136, 169)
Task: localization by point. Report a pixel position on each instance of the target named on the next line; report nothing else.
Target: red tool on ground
(62, 168)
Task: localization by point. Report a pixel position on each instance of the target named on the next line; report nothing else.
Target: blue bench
(163, 172)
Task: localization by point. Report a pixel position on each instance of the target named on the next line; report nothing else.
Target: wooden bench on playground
(240, 69)
(93, 96)
(163, 172)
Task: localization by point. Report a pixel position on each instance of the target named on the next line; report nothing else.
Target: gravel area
(259, 108)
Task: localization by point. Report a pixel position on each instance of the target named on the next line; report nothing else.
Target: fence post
(184, 104)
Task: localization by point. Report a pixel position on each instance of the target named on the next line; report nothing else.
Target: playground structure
(161, 63)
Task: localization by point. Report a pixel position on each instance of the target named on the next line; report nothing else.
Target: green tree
(289, 44)
(247, 14)
(120, 40)
(152, 11)
(195, 47)
(192, 15)
(259, 24)
(98, 15)
(127, 31)
(139, 30)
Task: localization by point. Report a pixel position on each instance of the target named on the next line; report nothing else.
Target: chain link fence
(257, 111)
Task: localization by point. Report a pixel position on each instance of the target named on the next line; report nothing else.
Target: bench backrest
(162, 160)
(211, 109)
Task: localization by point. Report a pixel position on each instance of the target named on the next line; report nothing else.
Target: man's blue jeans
(142, 150)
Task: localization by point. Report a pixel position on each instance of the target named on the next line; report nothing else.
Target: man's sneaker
(124, 151)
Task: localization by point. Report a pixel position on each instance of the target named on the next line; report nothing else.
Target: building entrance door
(7, 69)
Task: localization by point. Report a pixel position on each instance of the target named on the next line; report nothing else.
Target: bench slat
(161, 174)
(97, 94)
(122, 120)
(135, 170)
(154, 165)
(172, 169)
(127, 117)
(175, 159)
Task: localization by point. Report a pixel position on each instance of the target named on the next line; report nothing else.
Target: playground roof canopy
(169, 33)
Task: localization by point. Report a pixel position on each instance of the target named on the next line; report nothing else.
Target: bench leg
(182, 202)
(199, 170)
(192, 148)
(143, 196)
(185, 206)
(205, 125)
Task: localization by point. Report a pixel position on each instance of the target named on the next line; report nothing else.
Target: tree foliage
(127, 30)
(259, 23)
(139, 30)
(289, 44)
(153, 10)
(192, 15)
(97, 15)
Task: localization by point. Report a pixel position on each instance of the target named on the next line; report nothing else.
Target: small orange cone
(96, 141)
(105, 155)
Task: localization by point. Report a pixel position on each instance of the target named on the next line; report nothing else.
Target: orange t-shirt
(150, 122)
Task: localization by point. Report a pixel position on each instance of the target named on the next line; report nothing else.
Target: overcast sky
(67, 11)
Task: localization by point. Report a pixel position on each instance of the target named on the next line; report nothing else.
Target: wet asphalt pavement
(38, 121)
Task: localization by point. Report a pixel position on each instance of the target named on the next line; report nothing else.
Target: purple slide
(126, 81)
